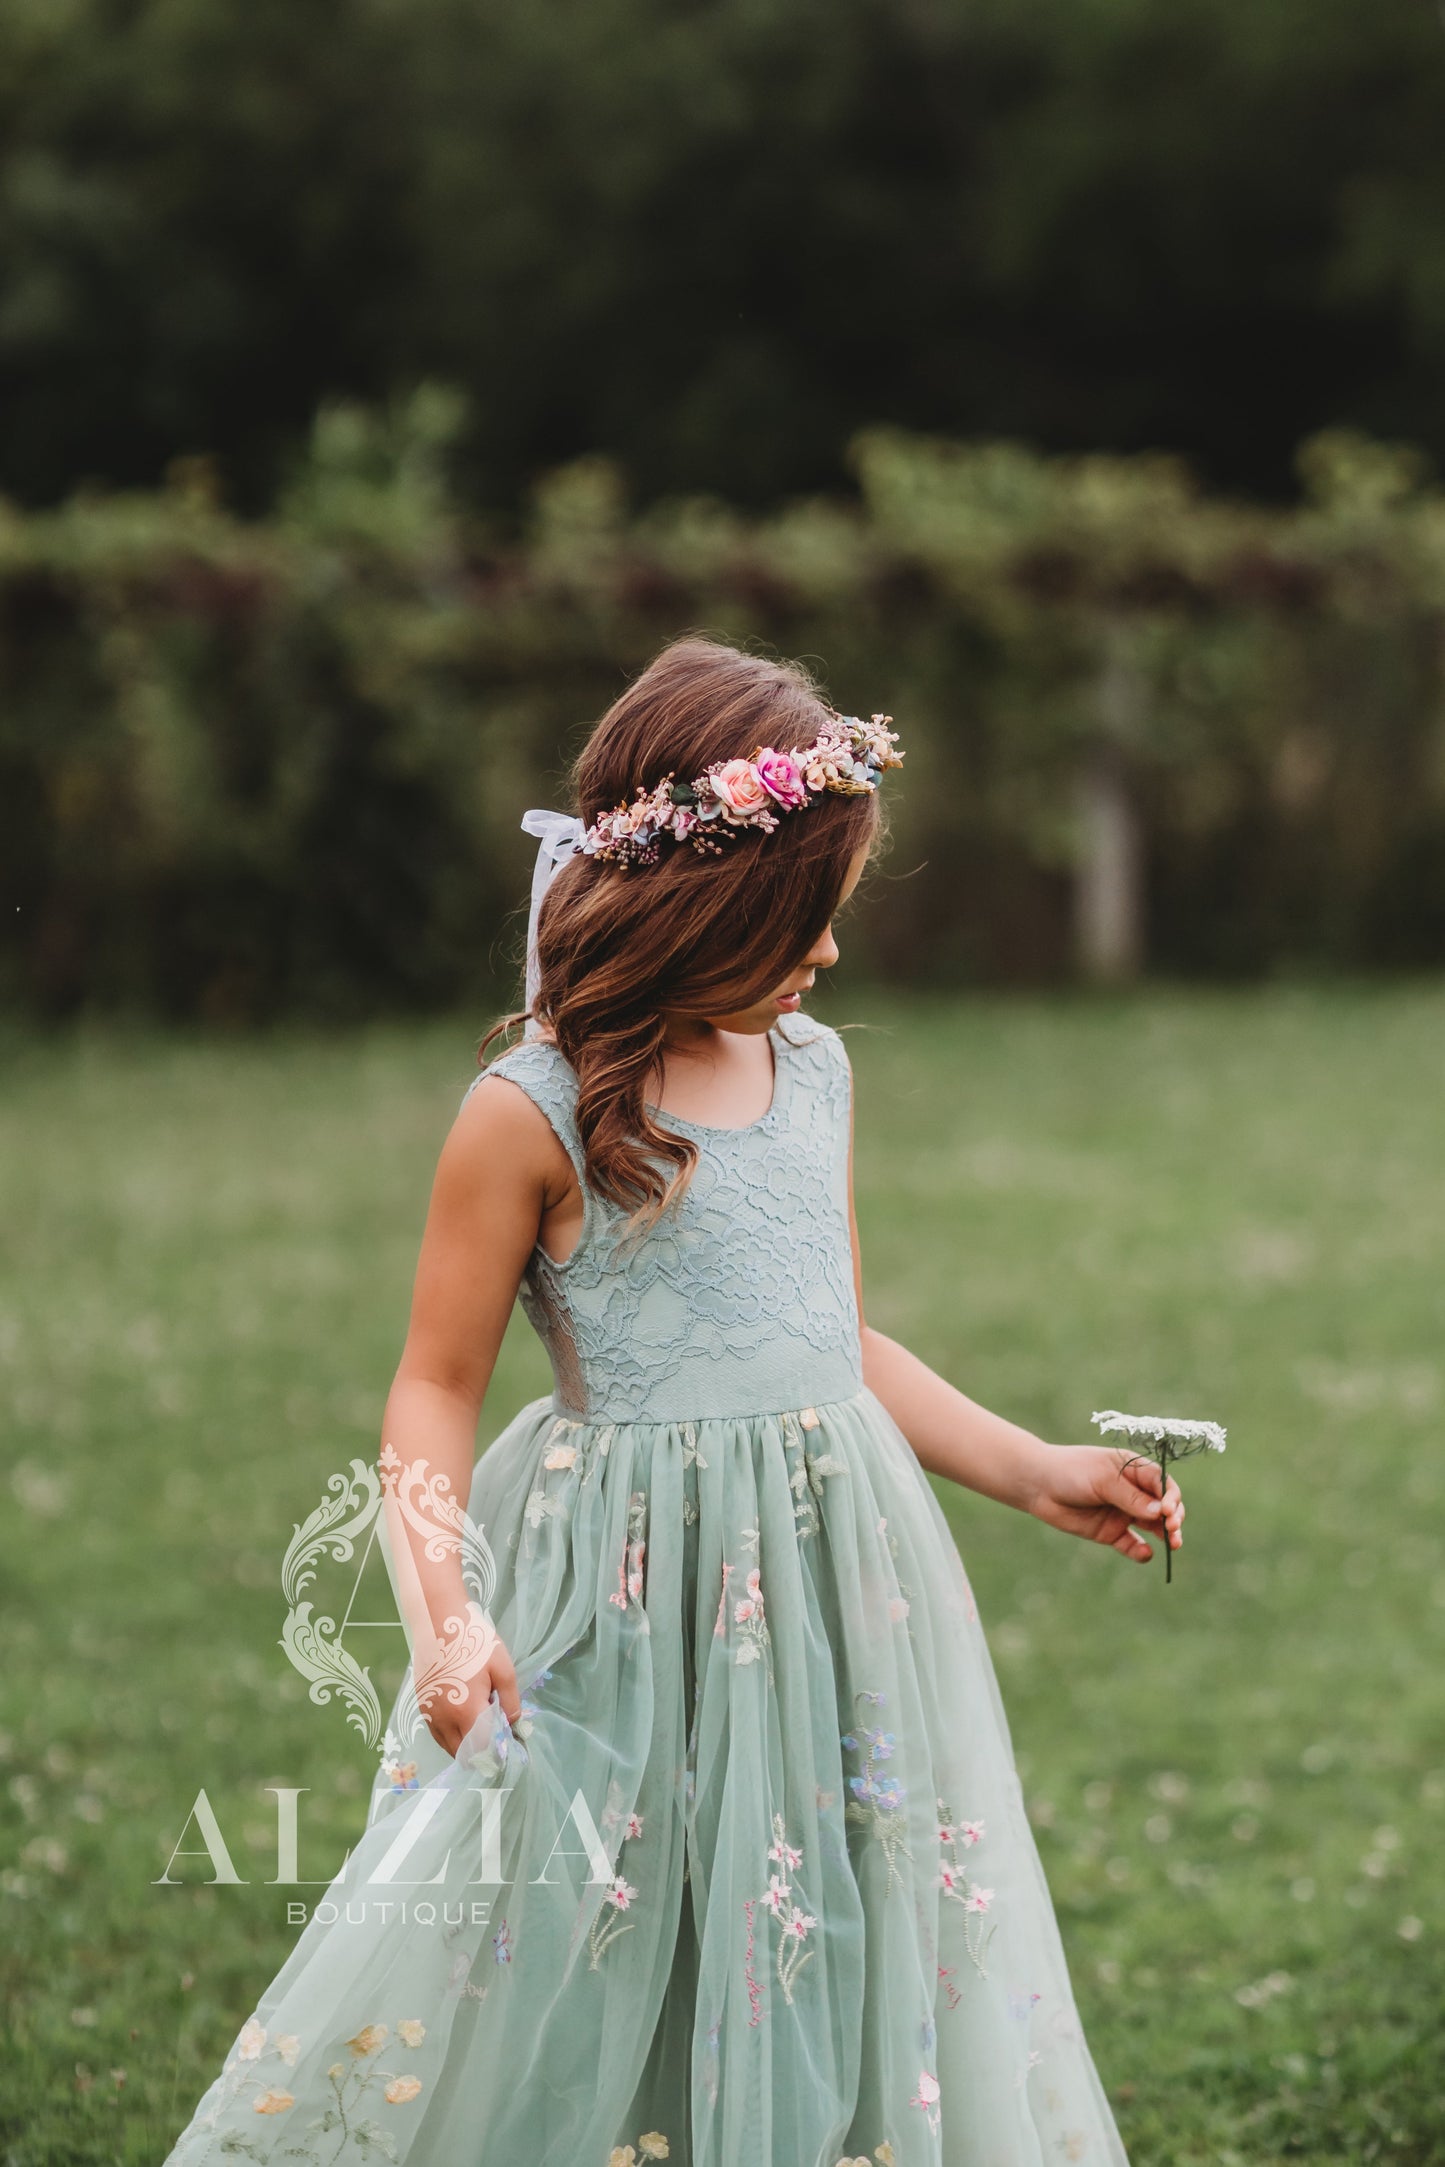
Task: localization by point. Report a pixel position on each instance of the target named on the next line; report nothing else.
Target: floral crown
(732, 795)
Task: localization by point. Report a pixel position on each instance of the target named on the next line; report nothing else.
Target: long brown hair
(695, 934)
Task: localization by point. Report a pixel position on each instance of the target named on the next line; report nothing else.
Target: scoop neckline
(742, 1128)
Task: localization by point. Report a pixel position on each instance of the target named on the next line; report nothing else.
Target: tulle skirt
(750, 1885)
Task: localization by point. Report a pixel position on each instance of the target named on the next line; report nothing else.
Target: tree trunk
(1109, 891)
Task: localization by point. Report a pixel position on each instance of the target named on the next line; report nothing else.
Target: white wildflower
(1159, 1427)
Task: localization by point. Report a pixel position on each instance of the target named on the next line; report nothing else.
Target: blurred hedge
(251, 769)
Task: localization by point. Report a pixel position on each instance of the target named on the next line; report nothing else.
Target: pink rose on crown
(781, 776)
(740, 787)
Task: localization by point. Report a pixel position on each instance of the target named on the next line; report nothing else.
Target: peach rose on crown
(848, 757)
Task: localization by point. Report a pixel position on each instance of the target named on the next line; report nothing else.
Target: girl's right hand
(449, 1721)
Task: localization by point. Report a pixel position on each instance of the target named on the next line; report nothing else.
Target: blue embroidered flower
(878, 1800)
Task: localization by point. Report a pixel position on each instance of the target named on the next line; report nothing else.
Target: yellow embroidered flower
(369, 2040)
(654, 2145)
(401, 2091)
(884, 2155)
(288, 2046)
(251, 2041)
(561, 1456)
(273, 2103)
(336, 2072)
(410, 2033)
(858, 2161)
(622, 2155)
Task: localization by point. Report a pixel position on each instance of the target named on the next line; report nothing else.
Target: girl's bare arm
(499, 1170)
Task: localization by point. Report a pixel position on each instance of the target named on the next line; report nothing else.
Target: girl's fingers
(1139, 1496)
(1134, 1500)
(1145, 1494)
(502, 1680)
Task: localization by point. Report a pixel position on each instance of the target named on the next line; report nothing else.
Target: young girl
(718, 1854)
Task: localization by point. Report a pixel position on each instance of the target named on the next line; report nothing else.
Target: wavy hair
(698, 935)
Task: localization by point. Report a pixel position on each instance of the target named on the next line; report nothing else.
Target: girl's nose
(824, 952)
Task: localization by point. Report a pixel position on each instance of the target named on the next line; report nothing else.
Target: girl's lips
(788, 1003)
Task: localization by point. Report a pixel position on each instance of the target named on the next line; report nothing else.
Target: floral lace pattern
(745, 1293)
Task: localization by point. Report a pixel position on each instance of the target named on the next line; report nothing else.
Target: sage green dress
(752, 1883)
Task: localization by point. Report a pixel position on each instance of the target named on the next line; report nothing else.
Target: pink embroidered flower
(952, 1880)
(740, 787)
(781, 776)
(787, 1853)
(750, 1605)
(971, 1832)
(927, 2096)
(634, 1825)
(620, 1893)
(778, 1896)
(798, 1923)
(978, 1900)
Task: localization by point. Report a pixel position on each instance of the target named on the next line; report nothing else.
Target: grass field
(1225, 1205)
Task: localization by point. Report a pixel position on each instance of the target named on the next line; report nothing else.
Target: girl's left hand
(1100, 1491)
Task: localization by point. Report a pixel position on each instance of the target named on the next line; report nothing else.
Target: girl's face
(786, 999)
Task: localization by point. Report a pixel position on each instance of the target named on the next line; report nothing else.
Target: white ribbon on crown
(558, 835)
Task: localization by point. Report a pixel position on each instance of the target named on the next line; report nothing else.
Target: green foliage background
(715, 238)
(252, 768)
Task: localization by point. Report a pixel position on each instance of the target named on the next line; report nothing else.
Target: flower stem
(1163, 1488)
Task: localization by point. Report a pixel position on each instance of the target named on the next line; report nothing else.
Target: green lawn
(1225, 1205)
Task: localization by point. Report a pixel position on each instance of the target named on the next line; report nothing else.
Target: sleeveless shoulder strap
(818, 1041)
(543, 1071)
(822, 1067)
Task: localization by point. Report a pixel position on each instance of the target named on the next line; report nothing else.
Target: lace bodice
(740, 1300)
